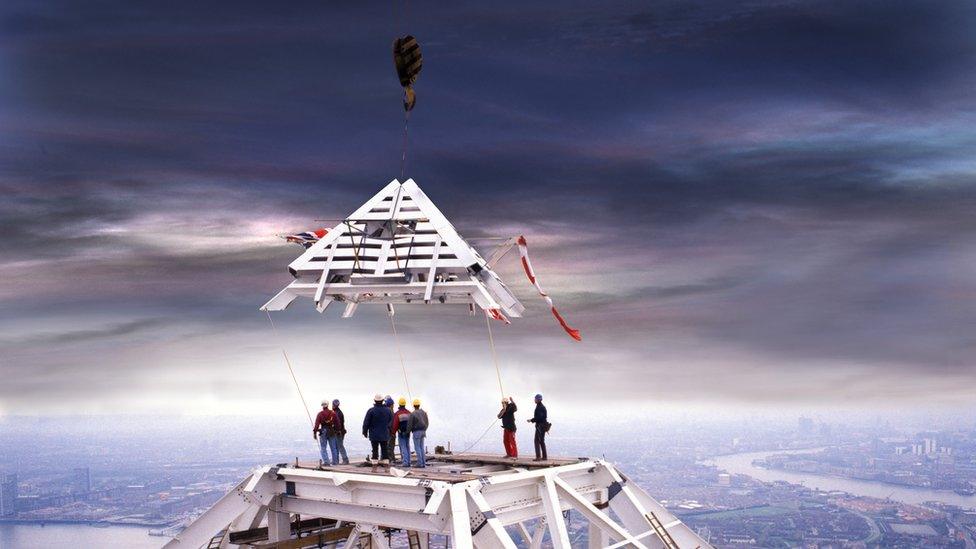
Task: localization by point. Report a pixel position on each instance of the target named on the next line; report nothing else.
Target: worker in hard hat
(392, 443)
(401, 427)
(507, 415)
(418, 430)
(541, 420)
(376, 427)
(325, 431)
(340, 431)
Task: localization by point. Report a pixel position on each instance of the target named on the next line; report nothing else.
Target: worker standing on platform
(392, 443)
(507, 415)
(325, 431)
(340, 431)
(401, 427)
(376, 427)
(541, 420)
(418, 428)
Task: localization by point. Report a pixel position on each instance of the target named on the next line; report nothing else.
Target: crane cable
(406, 143)
(290, 369)
(396, 339)
(494, 354)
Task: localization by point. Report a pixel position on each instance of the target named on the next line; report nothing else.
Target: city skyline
(757, 206)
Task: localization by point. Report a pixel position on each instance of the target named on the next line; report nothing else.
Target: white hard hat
(325, 402)
(377, 397)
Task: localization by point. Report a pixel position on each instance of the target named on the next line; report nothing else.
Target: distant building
(81, 481)
(930, 446)
(8, 494)
(724, 479)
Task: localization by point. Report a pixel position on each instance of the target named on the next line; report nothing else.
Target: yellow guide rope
(494, 354)
(290, 369)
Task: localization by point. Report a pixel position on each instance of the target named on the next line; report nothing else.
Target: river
(76, 536)
(742, 464)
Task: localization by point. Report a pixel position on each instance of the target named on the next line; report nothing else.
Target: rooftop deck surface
(447, 467)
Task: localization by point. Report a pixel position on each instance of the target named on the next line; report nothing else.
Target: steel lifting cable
(403, 367)
(403, 155)
(494, 354)
(290, 369)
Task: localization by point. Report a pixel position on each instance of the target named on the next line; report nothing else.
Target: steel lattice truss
(479, 505)
(396, 248)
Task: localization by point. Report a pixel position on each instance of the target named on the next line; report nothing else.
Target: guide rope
(475, 443)
(494, 354)
(403, 367)
(290, 369)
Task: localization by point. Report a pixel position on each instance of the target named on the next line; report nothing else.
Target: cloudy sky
(737, 203)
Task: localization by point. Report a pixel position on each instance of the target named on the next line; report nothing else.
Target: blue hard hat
(538, 396)
(388, 401)
(335, 402)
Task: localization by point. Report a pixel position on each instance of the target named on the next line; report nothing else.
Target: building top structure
(459, 501)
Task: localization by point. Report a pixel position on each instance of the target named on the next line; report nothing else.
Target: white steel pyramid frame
(396, 248)
(484, 509)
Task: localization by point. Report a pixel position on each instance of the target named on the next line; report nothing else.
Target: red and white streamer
(527, 266)
(497, 315)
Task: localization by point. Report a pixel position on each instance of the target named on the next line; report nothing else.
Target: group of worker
(541, 420)
(387, 428)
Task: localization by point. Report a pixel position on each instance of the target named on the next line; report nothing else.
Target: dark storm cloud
(788, 183)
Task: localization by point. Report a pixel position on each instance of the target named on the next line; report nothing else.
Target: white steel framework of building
(466, 500)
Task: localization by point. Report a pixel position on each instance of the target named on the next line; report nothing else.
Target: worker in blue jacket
(541, 420)
(376, 427)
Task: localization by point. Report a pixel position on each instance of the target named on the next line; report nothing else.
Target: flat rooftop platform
(452, 468)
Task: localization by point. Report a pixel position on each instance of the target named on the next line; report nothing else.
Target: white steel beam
(460, 519)
(354, 513)
(353, 539)
(324, 278)
(494, 536)
(554, 514)
(203, 528)
(539, 534)
(603, 522)
(432, 272)
(279, 523)
(597, 537)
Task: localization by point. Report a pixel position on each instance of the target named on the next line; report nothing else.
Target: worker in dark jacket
(541, 420)
(340, 431)
(507, 415)
(376, 427)
(388, 401)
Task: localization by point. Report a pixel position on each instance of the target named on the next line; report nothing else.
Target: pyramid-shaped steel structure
(396, 248)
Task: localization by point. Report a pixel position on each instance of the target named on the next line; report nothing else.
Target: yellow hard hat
(402, 402)
(416, 402)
